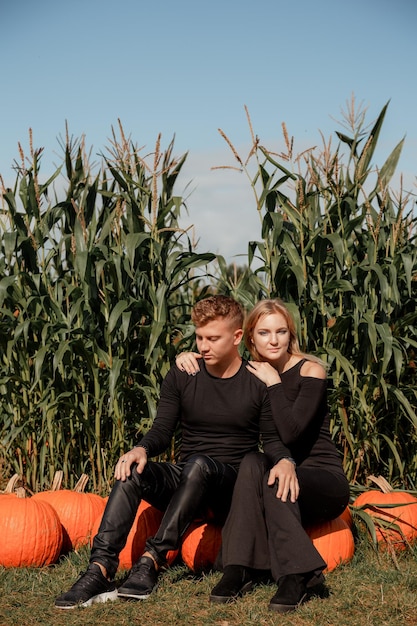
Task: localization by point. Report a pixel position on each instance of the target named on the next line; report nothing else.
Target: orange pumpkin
(30, 531)
(200, 546)
(394, 514)
(146, 523)
(334, 542)
(76, 510)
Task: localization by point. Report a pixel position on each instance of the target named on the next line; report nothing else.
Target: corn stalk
(96, 284)
(339, 246)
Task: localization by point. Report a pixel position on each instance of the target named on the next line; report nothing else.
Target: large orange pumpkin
(394, 514)
(146, 523)
(77, 511)
(334, 542)
(30, 531)
(200, 546)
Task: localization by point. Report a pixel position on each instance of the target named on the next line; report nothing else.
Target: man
(219, 412)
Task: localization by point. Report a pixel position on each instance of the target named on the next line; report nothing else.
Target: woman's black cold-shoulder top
(301, 416)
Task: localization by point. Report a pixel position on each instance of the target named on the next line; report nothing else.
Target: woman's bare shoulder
(312, 369)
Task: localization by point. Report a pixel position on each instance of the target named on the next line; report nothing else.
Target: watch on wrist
(289, 458)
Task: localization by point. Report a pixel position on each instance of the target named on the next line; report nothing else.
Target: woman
(299, 480)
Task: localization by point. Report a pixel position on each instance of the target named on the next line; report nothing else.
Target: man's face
(217, 341)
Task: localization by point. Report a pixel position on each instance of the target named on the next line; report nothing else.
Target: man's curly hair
(213, 307)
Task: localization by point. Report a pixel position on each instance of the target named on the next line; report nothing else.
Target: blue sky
(187, 68)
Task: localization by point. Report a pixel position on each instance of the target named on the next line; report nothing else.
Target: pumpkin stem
(21, 492)
(81, 484)
(12, 484)
(57, 482)
(383, 484)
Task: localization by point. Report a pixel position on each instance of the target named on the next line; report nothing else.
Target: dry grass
(372, 590)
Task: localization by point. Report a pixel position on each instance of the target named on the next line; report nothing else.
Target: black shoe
(291, 593)
(236, 581)
(316, 586)
(141, 582)
(91, 587)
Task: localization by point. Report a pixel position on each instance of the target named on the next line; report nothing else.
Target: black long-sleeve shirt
(220, 417)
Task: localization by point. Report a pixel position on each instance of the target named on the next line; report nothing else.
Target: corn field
(97, 280)
(339, 246)
(95, 293)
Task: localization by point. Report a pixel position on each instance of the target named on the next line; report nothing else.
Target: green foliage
(95, 293)
(340, 247)
(97, 280)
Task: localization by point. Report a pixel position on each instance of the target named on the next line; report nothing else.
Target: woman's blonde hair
(268, 307)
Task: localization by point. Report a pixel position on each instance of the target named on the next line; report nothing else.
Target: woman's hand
(284, 472)
(265, 372)
(188, 362)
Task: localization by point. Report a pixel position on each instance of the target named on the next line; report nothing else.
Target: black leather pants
(184, 491)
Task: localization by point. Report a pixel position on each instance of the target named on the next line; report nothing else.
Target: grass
(371, 590)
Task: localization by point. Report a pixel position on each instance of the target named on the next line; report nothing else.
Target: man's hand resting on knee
(124, 464)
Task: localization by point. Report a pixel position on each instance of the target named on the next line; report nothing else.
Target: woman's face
(271, 337)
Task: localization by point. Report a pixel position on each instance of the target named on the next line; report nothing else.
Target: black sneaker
(236, 581)
(141, 582)
(91, 587)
